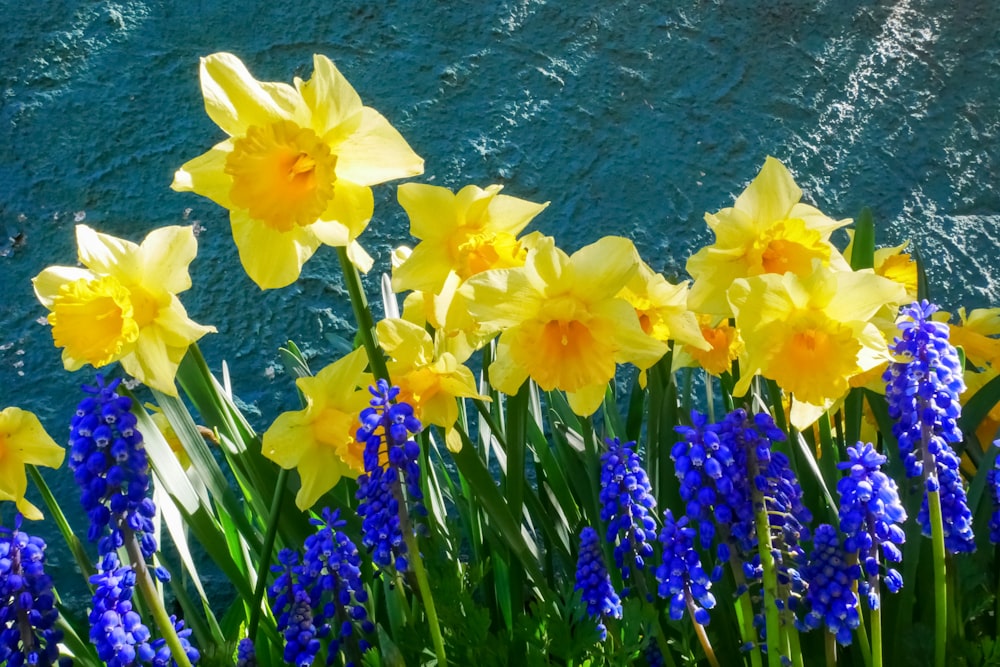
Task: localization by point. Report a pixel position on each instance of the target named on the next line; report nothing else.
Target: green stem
(425, 594)
(940, 578)
(263, 565)
(153, 602)
(770, 584)
(747, 630)
(362, 315)
(72, 541)
(876, 615)
(699, 629)
(830, 648)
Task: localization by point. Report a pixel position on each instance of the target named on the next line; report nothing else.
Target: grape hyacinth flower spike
(922, 390)
(389, 489)
(28, 635)
(627, 504)
(830, 593)
(594, 582)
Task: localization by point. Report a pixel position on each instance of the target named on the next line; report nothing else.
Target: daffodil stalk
(79, 553)
(149, 593)
(265, 556)
(940, 577)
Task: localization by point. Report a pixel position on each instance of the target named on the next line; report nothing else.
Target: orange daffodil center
(562, 323)
(283, 175)
(812, 335)
(296, 170)
(768, 230)
(123, 306)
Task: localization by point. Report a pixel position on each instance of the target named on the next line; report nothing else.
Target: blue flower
(392, 465)
(322, 596)
(110, 466)
(116, 629)
(680, 576)
(626, 505)
(594, 582)
(27, 604)
(993, 484)
(246, 655)
(870, 514)
(830, 587)
(922, 390)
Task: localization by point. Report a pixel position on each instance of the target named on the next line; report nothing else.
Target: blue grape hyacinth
(680, 576)
(870, 518)
(627, 504)
(109, 464)
(28, 635)
(389, 489)
(922, 390)
(594, 582)
(830, 595)
(321, 596)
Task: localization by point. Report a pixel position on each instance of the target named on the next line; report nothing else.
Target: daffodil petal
(510, 214)
(319, 469)
(165, 254)
(860, 294)
(585, 401)
(501, 297)
(48, 282)
(351, 206)
(151, 362)
(284, 442)
(24, 433)
(772, 194)
(430, 208)
(505, 375)
(602, 268)
(359, 257)
(426, 269)
(329, 96)
(271, 258)
(108, 255)
(376, 153)
(548, 268)
(405, 342)
(233, 98)
(206, 176)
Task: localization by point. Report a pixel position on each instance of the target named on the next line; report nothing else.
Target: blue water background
(630, 118)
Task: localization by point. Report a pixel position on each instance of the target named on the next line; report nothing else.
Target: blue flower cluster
(993, 484)
(117, 630)
(726, 470)
(28, 635)
(680, 576)
(246, 654)
(626, 505)
(830, 592)
(594, 582)
(870, 514)
(386, 513)
(922, 390)
(323, 596)
(110, 465)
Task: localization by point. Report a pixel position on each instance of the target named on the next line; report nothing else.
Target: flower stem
(362, 315)
(425, 593)
(263, 566)
(770, 583)
(153, 602)
(830, 646)
(876, 616)
(72, 541)
(940, 578)
(699, 629)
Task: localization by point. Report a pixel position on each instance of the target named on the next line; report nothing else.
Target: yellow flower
(811, 335)
(766, 231)
(892, 263)
(725, 343)
(973, 335)
(123, 306)
(563, 323)
(296, 169)
(662, 308)
(429, 380)
(23, 440)
(319, 440)
(469, 232)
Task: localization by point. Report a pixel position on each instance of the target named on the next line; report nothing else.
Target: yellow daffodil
(296, 169)
(662, 308)
(562, 323)
(811, 335)
(429, 380)
(467, 232)
(768, 230)
(891, 263)
(725, 345)
(123, 306)
(320, 439)
(23, 440)
(973, 333)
